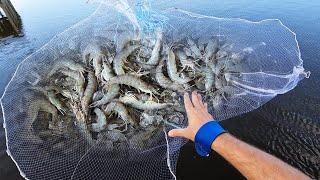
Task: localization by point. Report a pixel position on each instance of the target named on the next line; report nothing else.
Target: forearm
(252, 162)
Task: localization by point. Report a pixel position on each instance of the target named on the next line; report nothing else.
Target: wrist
(218, 142)
(205, 137)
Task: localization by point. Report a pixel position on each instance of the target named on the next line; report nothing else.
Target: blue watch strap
(205, 137)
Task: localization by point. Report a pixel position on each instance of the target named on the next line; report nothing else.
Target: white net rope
(97, 101)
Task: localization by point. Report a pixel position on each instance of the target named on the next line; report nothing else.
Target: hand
(198, 115)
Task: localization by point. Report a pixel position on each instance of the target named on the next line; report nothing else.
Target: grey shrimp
(112, 92)
(154, 59)
(217, 100)
(121, 110)
(172, 69)
(185, 61)
(80, 116)
(209, 78)
(69, 64)
(211, 49)
(81, 122)
(94, 53)
(131, 100)
(120, 57)
(166, 82)
(80, 81)
(194, 48)
(101, 121)
(133, 81)
(88, 93)
(97, 96)
(220, 82)
(49, 93)
(107, 71)
(32, 112)
(56, 102)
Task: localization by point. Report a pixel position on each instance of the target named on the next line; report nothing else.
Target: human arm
(250, 161)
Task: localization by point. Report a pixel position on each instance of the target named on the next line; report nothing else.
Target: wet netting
(97, 101)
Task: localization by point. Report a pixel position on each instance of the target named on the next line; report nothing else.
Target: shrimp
(94, 53)
(166, 82)
(217, 100)
(131, 100)
(201, 44)
(67, 64)
(189, 52)
(88, 93)
(194, 48)
(185, 61)
(80, 116)
(48, 92)
(120, 57)
(154, 59)
(236, 58)
(220, 82)
(112, 92)
(81, 122)
(106, 73)
(133, 81)
(34, 108)
(80, 81)
(97, 96)
(68, 94)
(172, 69)
(224, 51)
(210, 49)
(121, 110)
(209, 78)
(147, 119)
(101, 121)
(56, 102)
(221, 54)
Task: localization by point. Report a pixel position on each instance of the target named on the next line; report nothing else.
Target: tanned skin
(250, 161)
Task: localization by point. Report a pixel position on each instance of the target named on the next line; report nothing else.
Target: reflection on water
(287, 127)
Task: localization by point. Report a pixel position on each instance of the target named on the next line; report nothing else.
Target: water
(288, 126)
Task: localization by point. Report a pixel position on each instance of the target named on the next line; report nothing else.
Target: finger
(195, 100)
(187, 103)
(200, 100)
(206, 106)
(177, 133)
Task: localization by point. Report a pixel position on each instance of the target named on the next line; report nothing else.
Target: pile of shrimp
(138, 87)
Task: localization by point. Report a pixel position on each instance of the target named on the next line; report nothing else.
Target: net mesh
(236, 64)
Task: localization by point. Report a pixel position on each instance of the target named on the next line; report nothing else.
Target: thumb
(177, 133)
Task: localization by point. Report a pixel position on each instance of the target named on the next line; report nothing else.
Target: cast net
(97, 101)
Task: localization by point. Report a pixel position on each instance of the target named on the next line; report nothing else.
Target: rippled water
(288, 126)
